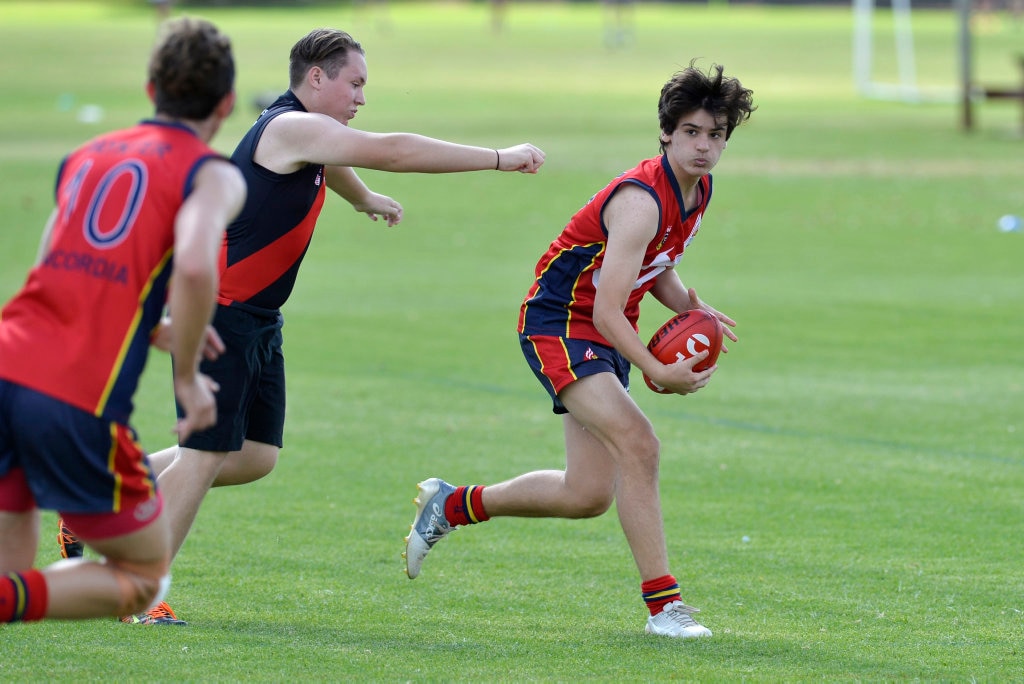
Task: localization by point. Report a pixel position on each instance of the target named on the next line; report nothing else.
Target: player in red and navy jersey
(140, 214)
(561, 300)
(297, 149)
(578, 329)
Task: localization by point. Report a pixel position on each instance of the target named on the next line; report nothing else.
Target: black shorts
(250, 372)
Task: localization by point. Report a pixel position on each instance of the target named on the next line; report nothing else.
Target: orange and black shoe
(159, 615)
(70, 547)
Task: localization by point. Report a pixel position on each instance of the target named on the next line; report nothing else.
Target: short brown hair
(326, 48)
(191, 69)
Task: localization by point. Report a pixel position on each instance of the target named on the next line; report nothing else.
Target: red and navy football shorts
(558, 361)
(58, 457)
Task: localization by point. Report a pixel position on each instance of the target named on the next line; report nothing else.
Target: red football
(683, 336)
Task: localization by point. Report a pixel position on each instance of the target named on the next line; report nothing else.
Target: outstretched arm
(294, 139)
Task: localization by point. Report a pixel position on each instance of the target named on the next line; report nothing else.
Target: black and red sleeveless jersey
(264, 246)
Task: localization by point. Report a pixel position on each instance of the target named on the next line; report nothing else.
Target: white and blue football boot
(430, 524)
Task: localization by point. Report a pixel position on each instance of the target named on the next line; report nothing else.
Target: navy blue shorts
(250, 372)
(58, 457)
(558, 361)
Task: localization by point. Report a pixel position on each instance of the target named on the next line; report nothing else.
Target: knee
(645, 452)
(248, 465)
(140, 588)
(594, 505)
(263, 464)
(589, 500)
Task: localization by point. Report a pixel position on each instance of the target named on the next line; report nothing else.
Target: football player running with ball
(578, 330)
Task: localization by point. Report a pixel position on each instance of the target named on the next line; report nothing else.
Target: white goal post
(907, 88)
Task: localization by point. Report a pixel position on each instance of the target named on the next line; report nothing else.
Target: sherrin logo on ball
(685, 335)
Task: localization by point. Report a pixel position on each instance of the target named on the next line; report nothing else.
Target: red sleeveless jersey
(561, 300)
(79, 329)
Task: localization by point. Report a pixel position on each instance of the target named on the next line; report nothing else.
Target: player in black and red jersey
(298, 148)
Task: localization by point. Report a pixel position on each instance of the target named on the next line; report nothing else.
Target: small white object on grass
(1009, 223)
(90, 114)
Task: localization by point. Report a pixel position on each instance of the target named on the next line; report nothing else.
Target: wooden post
(966, 77)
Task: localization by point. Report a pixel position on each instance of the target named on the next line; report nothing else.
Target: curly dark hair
(326, 48)
(191, 69)
(691, 89)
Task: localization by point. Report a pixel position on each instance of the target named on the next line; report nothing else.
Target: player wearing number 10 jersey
(79, 331)
(139, 218)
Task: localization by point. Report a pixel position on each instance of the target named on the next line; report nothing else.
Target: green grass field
(865, 433)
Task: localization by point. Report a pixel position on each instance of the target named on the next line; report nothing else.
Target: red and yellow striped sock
(23, 596)
(660, 591)
(466, 506)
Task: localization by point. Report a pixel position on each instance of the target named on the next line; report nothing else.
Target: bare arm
(670, 291)
(294, 139)
(217, 197)
(345, 182)
(632, 220)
